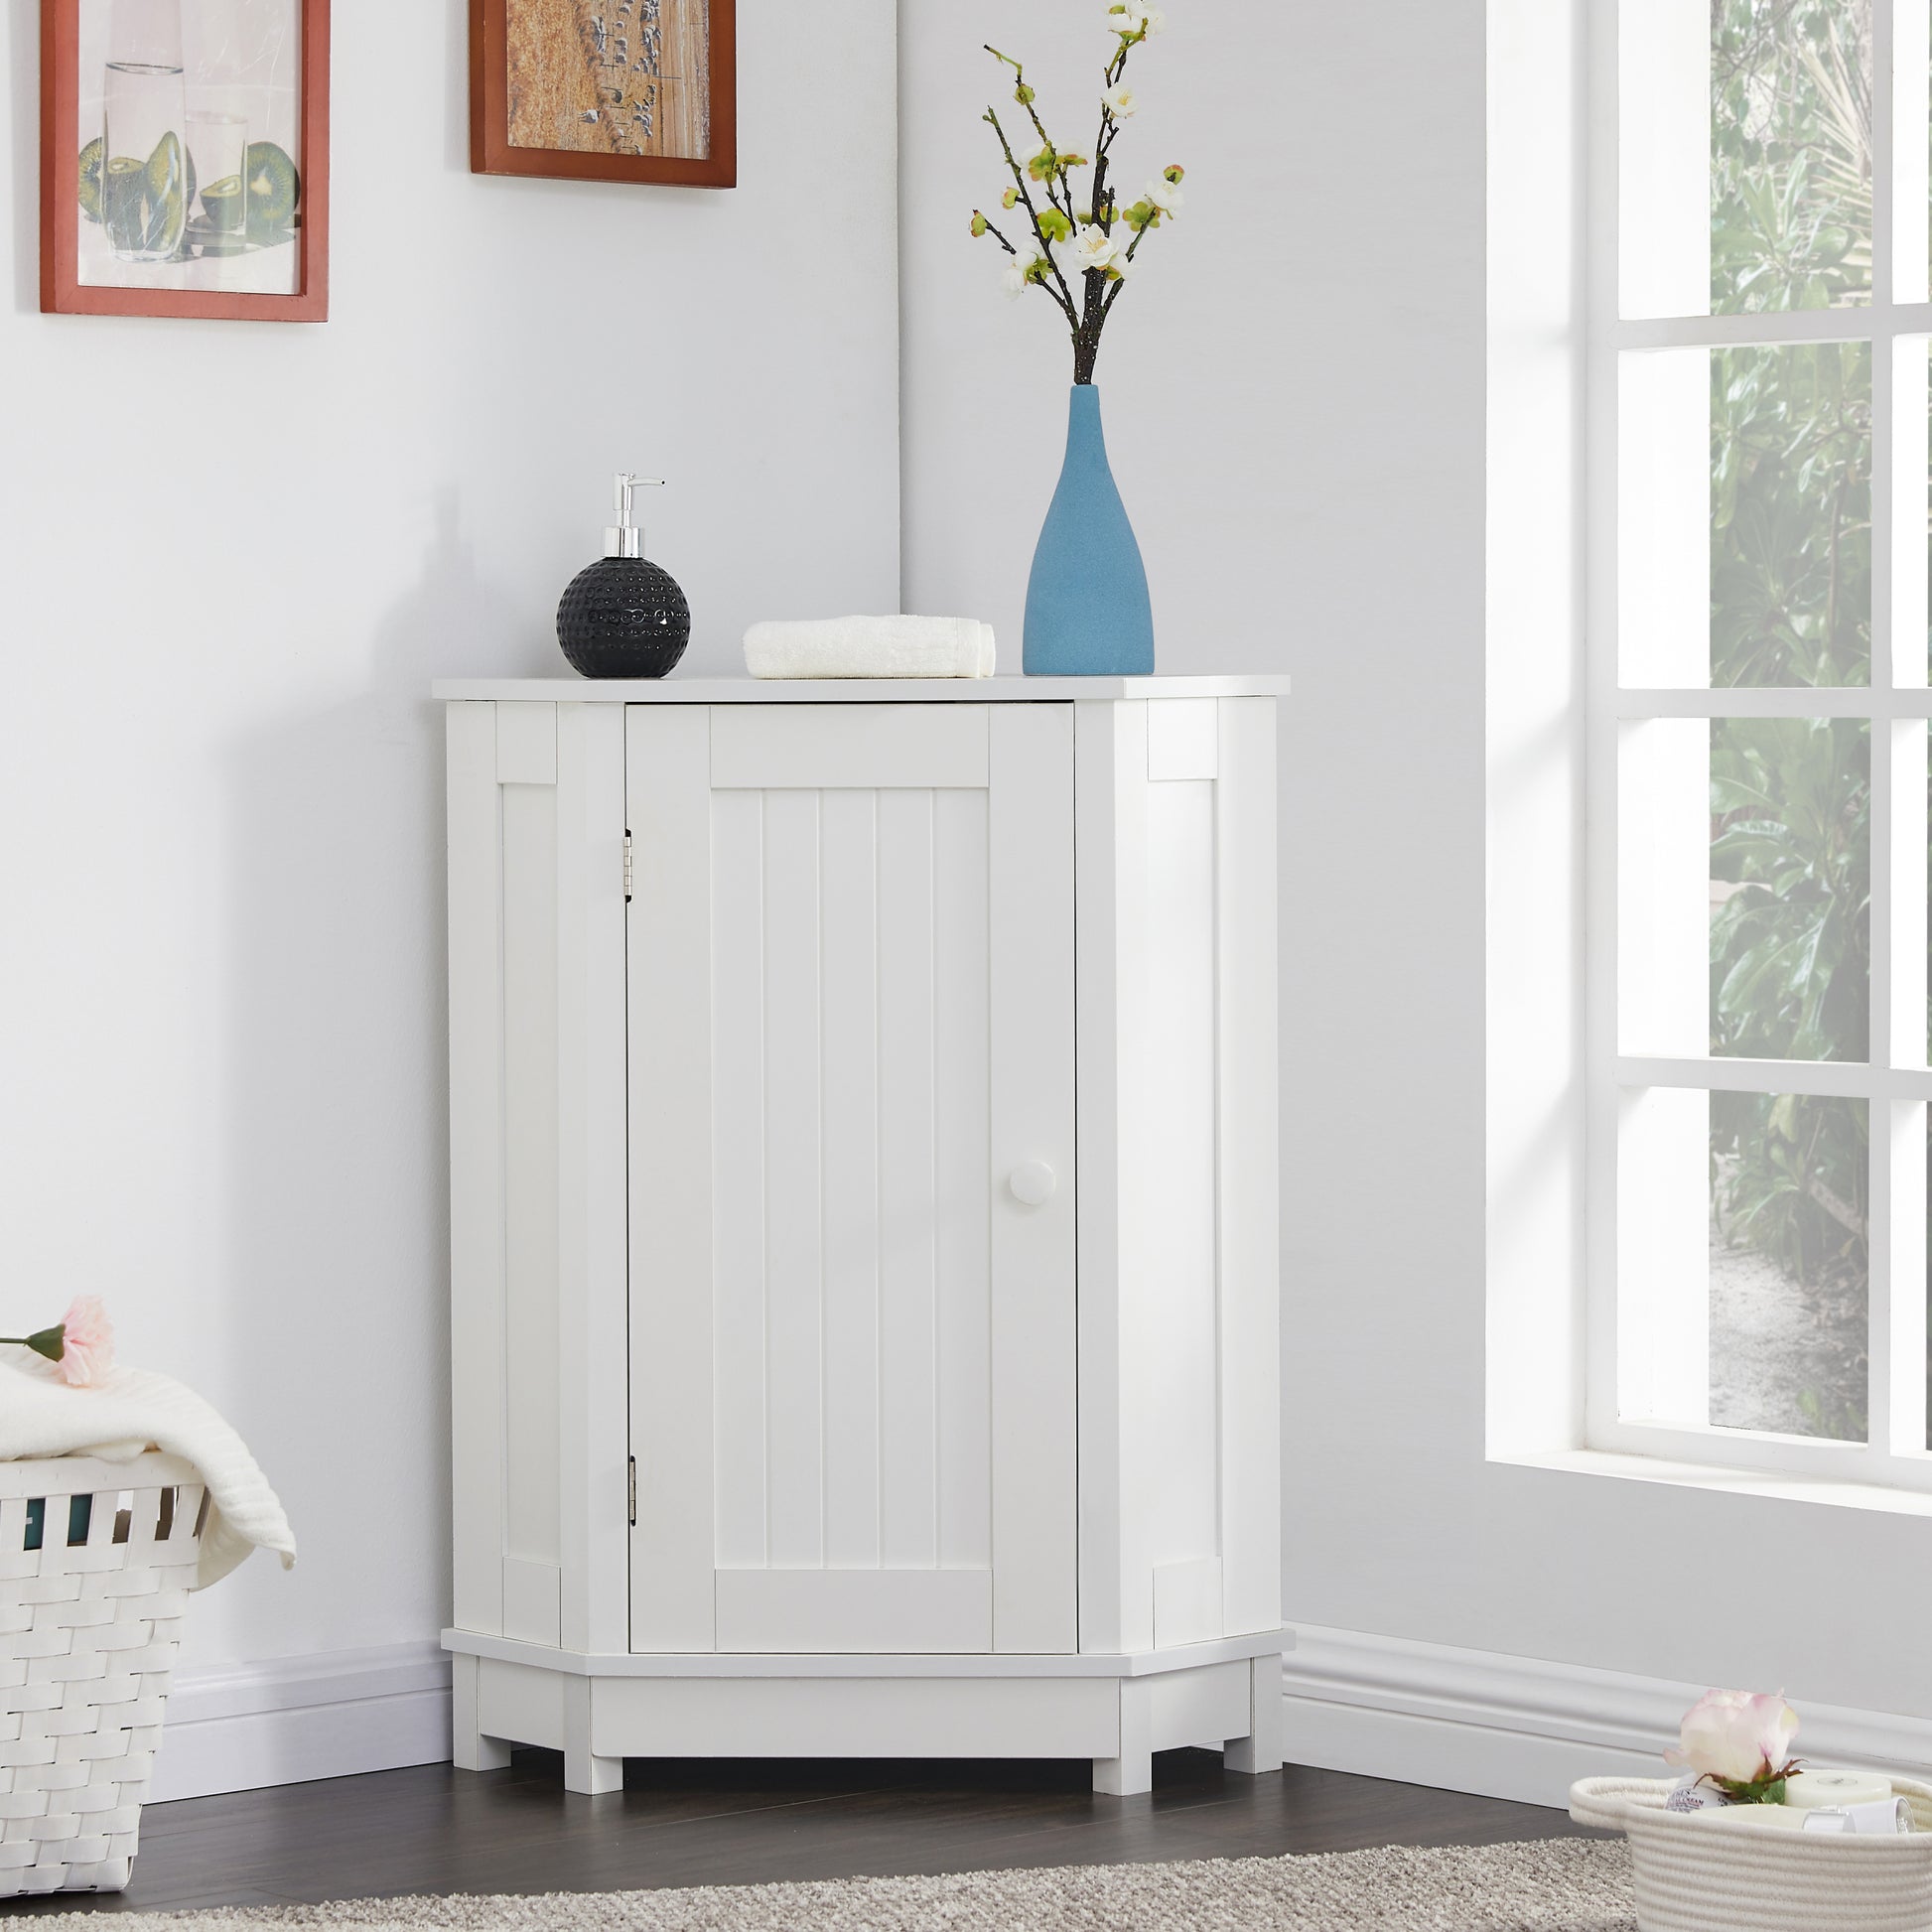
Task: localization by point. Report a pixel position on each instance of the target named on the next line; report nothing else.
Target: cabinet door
(851, 988)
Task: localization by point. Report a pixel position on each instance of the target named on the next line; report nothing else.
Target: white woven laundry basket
(1694, 1876)
(89, 1632)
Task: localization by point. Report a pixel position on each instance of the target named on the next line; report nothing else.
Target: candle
(1815, 1786)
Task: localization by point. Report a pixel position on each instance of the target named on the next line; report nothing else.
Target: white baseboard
(1392, 1708)
(1517, 1726)
(242, 1726)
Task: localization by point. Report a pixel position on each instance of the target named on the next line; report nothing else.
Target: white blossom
(1090, 248)
(1165, 195)
(1014, 281)
(1121, 102)
(1135, 17)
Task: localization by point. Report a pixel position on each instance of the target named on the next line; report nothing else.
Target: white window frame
(1895, 1084)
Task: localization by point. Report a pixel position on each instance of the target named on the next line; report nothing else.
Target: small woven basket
(96, 1559)
(1694, 1876)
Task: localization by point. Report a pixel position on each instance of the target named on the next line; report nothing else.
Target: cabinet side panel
(1035, 1413)
(594, 1178)
(668, 808)
(1170, 1352)
(531, 1208)
(476, 1169)
(1250, 1169)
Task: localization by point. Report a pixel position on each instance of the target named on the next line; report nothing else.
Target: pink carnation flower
(1737, 1736)
(88, 1343)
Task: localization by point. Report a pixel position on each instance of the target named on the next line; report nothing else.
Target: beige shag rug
(1556, 1886)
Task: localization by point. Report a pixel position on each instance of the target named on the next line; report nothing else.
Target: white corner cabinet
(864, 1231)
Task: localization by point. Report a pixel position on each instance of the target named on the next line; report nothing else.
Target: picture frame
(628, 90)
(184, 253)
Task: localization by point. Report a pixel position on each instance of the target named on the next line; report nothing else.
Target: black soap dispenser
(623, 617)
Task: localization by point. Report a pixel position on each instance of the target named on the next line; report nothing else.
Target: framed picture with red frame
(642, 90)
(184, 159)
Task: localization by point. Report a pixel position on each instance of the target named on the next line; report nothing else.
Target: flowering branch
(1074, 241)
(1062, 294)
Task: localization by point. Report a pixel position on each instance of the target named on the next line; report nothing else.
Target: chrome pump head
(626, 538)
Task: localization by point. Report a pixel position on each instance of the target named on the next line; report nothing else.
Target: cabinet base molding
(1117, 1711)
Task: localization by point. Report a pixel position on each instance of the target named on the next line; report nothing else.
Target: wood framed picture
(185, 158)
(605, 90)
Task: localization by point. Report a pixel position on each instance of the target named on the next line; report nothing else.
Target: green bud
(51, 1342)
(1176, 174)
(1054, 226)
(1024, 94)
(1143, 215)
(1011, 198)
(979, 225)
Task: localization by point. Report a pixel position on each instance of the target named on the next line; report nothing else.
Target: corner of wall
(1535, 746)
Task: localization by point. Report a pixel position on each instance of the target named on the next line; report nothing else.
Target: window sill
(1775, 1485)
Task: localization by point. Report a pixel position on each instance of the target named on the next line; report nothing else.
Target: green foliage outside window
(1790, 154)
(1791, 605)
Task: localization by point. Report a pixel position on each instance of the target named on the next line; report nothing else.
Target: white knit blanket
(132, 1409)
(871, 648)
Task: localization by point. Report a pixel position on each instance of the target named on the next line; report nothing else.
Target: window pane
(1791, 515)
(1743, 1261)
(1744, 516)
(1790, 154)
(1790, 887)
(1788, 1264)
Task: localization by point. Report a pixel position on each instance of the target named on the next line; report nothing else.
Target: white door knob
(1033, 1184)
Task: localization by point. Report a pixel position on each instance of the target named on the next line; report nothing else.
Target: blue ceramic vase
(1087, 608)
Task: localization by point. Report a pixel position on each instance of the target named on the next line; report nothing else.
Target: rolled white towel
(871, 648)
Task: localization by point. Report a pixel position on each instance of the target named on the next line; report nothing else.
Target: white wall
(231, 558)
(1296, 399)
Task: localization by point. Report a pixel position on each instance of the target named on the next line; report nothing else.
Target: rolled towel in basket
(871, 648)
(130, 1409)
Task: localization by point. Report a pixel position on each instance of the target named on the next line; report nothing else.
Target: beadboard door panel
(854, 1612)
(881, 1036)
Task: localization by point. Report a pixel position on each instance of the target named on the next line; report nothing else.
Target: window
(1758, 703)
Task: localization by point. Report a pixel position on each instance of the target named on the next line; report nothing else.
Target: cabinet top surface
(860, 690)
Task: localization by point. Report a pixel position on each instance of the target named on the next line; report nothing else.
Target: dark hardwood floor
(706, 1823)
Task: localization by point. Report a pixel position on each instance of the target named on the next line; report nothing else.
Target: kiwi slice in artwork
(273, 188)
(225, 204)
(91, 157)
(143, 203)
(124, 204)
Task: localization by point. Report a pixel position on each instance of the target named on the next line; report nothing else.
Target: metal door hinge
(627, 884)
(633, 1492)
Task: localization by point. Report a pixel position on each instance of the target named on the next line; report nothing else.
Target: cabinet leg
(1132, 1771)
(1261, 1749)
(582, 1771)
(469, 1749)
